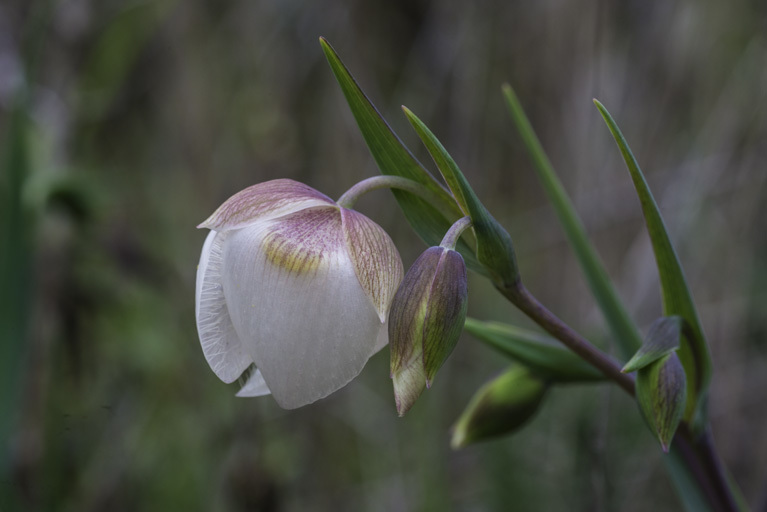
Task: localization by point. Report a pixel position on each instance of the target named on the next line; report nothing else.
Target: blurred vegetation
(125, 123)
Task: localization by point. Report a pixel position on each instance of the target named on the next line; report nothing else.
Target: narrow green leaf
(394, 158)
(677, 299)
(663, 338)
(624, 330)
(543, 355)
(494, 247)
(500, 407)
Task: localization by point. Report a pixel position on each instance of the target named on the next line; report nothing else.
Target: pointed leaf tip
(624, 329)
(394, 158)
(495, 250)
(676, 297)
(664, 337)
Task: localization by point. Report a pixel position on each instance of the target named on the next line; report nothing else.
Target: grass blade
(625, 331)
(663, 338)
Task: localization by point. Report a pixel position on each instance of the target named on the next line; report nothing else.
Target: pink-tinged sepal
(264, 201)
(375, 258)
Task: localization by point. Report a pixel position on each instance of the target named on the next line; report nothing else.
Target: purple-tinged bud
(661, 391)
(427, 316)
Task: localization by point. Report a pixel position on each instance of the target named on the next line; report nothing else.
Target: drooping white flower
(296, 284)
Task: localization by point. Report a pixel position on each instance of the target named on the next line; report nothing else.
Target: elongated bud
(427, 316)
(661, 391)
(500, 407)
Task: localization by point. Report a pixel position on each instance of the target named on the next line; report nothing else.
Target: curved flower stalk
(301, 287)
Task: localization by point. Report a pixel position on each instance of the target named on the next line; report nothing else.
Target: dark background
(137, 119)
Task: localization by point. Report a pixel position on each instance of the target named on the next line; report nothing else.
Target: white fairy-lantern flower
(300, 286)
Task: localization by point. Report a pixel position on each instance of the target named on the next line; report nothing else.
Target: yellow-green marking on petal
(302, 242)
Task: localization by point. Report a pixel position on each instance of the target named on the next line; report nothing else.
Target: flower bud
(499, 407)
(661, 391)
(427, 316)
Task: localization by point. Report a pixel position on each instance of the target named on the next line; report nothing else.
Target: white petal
(382, 340)
(297, 305)
(254, 386)
(220, 344)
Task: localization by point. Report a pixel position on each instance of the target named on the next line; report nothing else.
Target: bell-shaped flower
(297, 285)
(427, 317)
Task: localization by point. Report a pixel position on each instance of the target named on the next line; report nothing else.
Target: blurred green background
(126, 123)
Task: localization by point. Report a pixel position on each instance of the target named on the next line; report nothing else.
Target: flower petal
(383, 338)
(264, 201)
(375, 257)
(220, 343)
(254, 386)
(296, 303)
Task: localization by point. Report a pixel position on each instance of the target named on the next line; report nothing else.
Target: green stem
(350, 197)
(529, 305)
(454, 233)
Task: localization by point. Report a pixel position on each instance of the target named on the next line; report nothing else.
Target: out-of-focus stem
(698, 452)
(716, 471)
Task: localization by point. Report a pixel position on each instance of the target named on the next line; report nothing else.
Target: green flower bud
(499, 407)
(427, 316)
(661, 391)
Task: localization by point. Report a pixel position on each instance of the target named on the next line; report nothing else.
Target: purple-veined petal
(375, 258)
(254, 386)
(264, 201)
(220, 343)
(296, 302)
